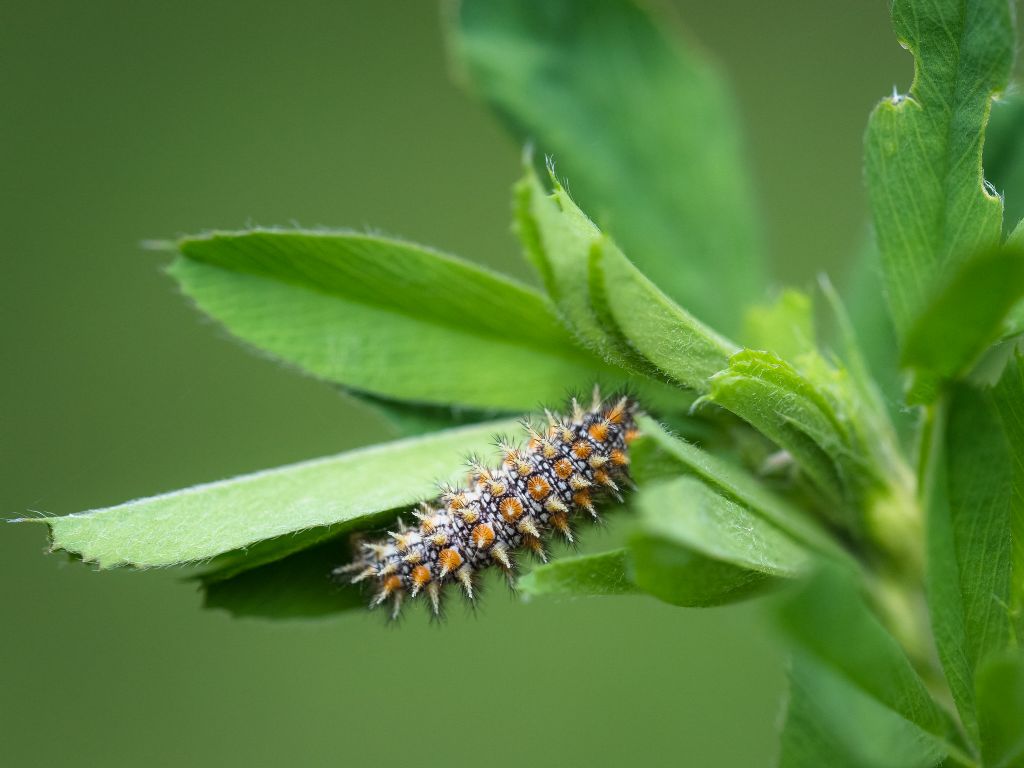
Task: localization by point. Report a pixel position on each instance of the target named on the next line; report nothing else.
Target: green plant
(895, 557)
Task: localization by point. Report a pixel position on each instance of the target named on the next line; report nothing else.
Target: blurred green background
(125, 121)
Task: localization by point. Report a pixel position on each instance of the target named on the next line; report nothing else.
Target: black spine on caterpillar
(536, 491)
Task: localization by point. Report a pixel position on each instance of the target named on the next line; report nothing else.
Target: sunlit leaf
(633, 309)
(207, 520)
(392, 319)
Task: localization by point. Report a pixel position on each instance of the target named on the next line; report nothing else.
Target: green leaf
(966, 314)
(604, 573)
(831, 722)
(694, 547)
(1001, 710)
(923, 151)
(298, 586)
(784, 327)
(642, 127)
(732, 482)
(557, 238)
(973, 518)
(385, 317)
(204, 521)
(806, 418)
(612, 308)
(828, 621)
(632, 308)
(877, 410)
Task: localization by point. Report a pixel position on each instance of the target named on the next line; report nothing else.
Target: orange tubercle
(563, 468)
(420, 575)
(511, 509)
(449, 559)
(582, 449)
(538, 487)
(482, 536)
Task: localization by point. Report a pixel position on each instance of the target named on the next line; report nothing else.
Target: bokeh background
(129, 120)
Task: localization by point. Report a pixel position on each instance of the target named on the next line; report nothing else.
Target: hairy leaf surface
(389, 318)
(736, 484)
(666, 336)
(695, 547)
(207, 520)
(809, 415)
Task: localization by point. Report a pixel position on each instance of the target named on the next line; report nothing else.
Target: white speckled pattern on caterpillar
(536, 490)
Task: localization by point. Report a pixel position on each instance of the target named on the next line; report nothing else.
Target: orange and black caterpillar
(536, 490)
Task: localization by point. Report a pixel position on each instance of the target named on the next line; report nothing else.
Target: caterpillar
(538, 488)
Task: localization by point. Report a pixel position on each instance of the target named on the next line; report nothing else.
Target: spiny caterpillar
(536, 490)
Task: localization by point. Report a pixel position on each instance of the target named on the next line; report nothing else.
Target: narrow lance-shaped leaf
(872, 321)
(923, 151)
(975, 512)
(557, 238)
(389, 318)
(612, 308)
(667, 337)
(831, 722)
(828, 622)
(694, 547)
(641, 125)
(204, 521)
